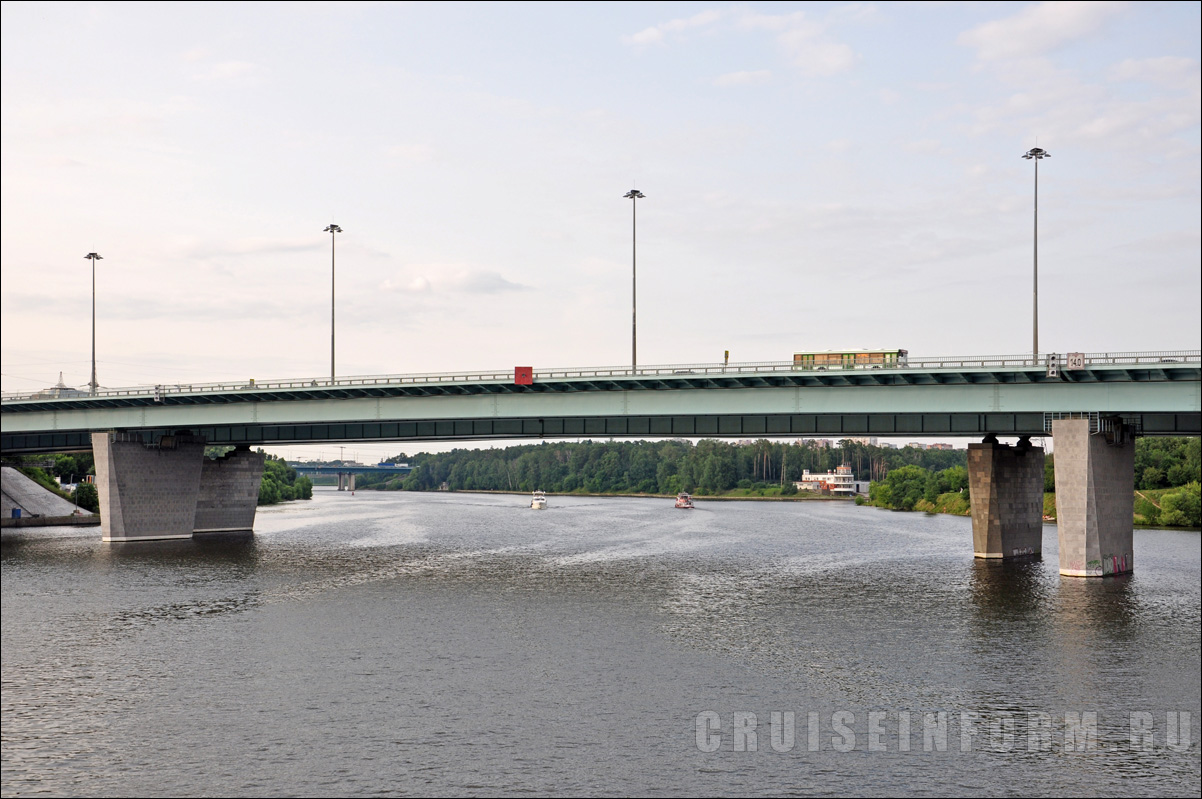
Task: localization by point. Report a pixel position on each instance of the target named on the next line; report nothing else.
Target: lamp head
(634, 194)
(94, 257)
(1037, 153)
(333, 229)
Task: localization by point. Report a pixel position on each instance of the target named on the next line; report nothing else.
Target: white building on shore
(840, 482)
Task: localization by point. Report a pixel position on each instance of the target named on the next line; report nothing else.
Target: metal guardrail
(978, 362)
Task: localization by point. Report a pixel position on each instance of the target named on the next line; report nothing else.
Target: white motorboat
(539, 500)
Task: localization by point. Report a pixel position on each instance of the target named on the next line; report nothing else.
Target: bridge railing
(583, 373)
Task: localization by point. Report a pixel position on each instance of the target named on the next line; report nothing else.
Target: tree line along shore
(1167, 473)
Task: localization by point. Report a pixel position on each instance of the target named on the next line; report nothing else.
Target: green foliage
(43, 478)
(1146, 511)
(303, 487)
(709, 467)
(1152, 478)
(281, 483)
(1049, 474)
(72, 467)
(86, 497)
(907, 486)
(953, 480)
(1167, 462)
(955, 502)
(1182, 508)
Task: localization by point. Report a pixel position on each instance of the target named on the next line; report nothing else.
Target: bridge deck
(1159, 393)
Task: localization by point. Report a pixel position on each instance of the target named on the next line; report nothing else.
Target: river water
(462, 644)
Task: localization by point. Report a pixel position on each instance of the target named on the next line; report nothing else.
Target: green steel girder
(843, 402)
(679, 425)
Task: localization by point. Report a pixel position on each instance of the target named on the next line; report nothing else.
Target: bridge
(1157, 393)
(346, 471)
(1084, 400)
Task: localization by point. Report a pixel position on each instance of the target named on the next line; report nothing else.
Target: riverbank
(81, 520)
(24, 502)
(1149, 510)
(799, 497)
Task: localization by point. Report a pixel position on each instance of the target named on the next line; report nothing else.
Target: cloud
(409, 153)
(656, 33)
(773, 22)
(195, 54)
(817, 57)
(229, 70)
(487, 283)
(889, 96)
(1060, 107)
(755, 78)
(924, 146)
(1168, 70)
(805, 42)
(444, 278)
(1038, 29)
(189, 248)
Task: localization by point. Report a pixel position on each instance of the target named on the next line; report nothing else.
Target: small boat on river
(683, 500)
(539, 500)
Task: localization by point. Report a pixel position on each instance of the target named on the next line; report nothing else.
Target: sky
(817, 176)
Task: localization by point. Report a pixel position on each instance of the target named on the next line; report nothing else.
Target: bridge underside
(697, 425)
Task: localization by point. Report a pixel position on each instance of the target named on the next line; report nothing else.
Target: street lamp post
(634, 195)
(332, 229)
(93, 257)
(1036, 154)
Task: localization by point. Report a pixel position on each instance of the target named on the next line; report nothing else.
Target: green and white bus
(850, 359)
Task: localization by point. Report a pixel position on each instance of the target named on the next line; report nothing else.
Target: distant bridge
(1153, 393)
(351, 468)
(348, 471)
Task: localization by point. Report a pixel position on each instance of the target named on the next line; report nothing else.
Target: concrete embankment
(38, 507)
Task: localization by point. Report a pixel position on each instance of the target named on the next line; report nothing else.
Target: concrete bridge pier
(153, 490)
(1095, 497)
(229, 492)
(148, 490)
(1005, 486)
(346, 481)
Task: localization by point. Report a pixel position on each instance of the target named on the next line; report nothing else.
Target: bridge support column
(351, 479)
(229, 492)
(341, 481)
(1005, 486)
(147, 490)
(1095, 497)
